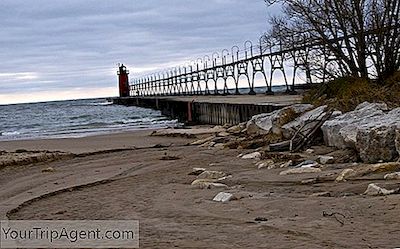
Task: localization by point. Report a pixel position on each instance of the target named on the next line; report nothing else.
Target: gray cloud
(58, 45)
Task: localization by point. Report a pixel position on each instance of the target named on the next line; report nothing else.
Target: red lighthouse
(123, 81)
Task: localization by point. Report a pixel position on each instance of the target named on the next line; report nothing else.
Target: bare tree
(349, 37)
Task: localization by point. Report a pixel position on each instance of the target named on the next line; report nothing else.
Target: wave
(100, 104)
(10, 133)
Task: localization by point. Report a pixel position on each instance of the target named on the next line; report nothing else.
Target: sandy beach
(136, 176)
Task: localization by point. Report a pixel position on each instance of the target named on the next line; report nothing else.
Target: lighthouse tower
(123, 81)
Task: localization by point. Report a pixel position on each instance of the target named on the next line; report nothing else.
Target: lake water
(74, 118)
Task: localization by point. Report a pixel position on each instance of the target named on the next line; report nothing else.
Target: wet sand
(122, 176)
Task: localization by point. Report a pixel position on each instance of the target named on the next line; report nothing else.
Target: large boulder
(368, 129)
(267, 123)
(376, 140)
(341, 131)
(306, 122)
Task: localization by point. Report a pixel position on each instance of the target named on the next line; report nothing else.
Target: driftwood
(300, 140)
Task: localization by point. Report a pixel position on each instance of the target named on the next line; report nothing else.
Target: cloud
(50, 45)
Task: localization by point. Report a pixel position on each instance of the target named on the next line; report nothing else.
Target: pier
(210, 110)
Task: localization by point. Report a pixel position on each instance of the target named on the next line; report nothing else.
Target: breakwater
(215, 111)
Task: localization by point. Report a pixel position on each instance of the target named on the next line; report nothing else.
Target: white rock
(203, 141)
(342, 177)
(306, 122)
(266, 164)
(208, 184)
(310, 151)
(393, 176)
(308, 164)
(341, 131)
(268, 123)
(374, 190)
(224, 197)
(48, 170)
(197, 171)
(219, 146)
(254, 155)
(326, 159)
(368, 129)
(223, 134)
(286, 164)
(376, 140)
(300, 171)
(208, 174)
(237, 128)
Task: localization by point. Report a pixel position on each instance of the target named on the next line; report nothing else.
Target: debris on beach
(224, 197)
(208, 184)
(48, 170)
(392, 176)
(374, 190)
(326, 159)
(363, 170)
(269, 164)
(254, 155)
(344, 175)
(300, 170)
(208, 174)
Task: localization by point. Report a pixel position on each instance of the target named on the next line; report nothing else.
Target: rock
(326, 159)
(287, 164)
(223, 134)
(208, 184)
(269, 164)
(211, 175)
(368, 129)
(211, 144)
(392, 176)
(237, 128)
(254, 155)
(380, 167)
(224, 197)
(48, 170)
(376, 139)
(203, 141)
(310, 151)
(343, 176)
(197, 171)
(341, 131)
(268, 123)
(307, 164)
(368, 169)
(300, 171)
(306, 122)
(321, 194)
(374, 190)
(219, 146)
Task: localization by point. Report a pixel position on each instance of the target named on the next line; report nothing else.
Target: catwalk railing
(226, 72)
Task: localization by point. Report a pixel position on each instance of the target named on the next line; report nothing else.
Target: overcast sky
(65, 49)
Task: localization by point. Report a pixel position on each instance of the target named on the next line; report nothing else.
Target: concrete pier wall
(193, 112)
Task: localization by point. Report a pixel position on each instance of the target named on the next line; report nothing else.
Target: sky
(69, 49)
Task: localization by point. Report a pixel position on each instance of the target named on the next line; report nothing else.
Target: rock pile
(370, 129)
